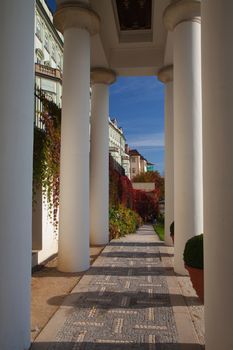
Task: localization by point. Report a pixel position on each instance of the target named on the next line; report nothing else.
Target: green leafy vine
(46, 155)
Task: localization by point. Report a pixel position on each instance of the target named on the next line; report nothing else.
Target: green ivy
(46, 155)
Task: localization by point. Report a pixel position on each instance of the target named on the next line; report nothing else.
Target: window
(39, 56)
(133, 160)
(133, 170)
(38, 29)
(47, 63)
(50, 96)
(46, 41)
(53, 54)
(59, 61)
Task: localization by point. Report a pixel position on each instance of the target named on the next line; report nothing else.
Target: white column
(165, 75)
(76, 23)
(217, 58)
(16, 144)
(99, 184)
(182, 16)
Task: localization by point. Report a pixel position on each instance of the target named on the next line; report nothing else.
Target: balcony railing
(113, 149)
(48, 71)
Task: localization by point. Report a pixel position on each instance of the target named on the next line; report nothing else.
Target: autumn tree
(152, 176)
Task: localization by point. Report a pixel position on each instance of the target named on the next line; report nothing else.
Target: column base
(181, 270)
(67, 269)
(99, 244)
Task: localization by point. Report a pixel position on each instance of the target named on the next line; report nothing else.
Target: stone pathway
(128, 300)
(48, 282)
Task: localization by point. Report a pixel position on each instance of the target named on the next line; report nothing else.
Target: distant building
(117, 146)
(135, 166)
(48, 56)
(143, 164)
(150, 166)
(138, 164)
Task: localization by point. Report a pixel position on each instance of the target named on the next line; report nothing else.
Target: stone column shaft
(182, 16)
(217, 72)
(76, 23)
(165, 75)
(99, 195)
(16, 145)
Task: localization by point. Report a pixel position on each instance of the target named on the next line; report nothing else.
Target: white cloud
(147, 140)
(138, 89)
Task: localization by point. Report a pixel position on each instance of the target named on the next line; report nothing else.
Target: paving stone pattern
(126, 304)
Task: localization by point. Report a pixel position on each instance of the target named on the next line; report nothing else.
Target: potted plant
(172, 231)
(193, 259)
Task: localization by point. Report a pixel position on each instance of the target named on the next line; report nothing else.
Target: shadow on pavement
(130, 271)
(112, 271)
(139, 255)
(136, 244)
(113, 346)
(113, 300)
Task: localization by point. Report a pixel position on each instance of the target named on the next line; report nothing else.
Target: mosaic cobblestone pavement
(124, 303)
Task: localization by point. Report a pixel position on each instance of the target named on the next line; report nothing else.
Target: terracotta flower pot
(197, 279)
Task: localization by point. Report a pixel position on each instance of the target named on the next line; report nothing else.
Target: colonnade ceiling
(132, 38)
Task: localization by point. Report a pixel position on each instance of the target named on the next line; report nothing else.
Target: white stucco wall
(144, 186)
(135, 165)
(44, 234)
(49, 237)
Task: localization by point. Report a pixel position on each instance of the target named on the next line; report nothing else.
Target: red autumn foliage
(146, 204)
(121, 192)
(152, 176)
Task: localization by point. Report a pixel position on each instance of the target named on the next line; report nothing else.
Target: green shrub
(159, 230)
(161, 219)
(122, 221)
(193, 252)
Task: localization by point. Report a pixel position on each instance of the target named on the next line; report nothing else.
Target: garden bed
(159, 230)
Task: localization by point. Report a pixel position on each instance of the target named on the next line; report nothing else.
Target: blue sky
(51, 4)
(138, 105)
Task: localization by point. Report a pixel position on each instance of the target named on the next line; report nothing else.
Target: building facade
(143, 164)
(150, 166)
(117, 145)
(48, 55)
(138, 164)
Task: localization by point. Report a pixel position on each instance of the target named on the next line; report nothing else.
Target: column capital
(165, 74)
(101, 75)
(181, 11)
(75, 15)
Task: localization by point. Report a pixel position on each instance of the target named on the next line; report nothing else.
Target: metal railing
(113, 149)
(39, 109)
